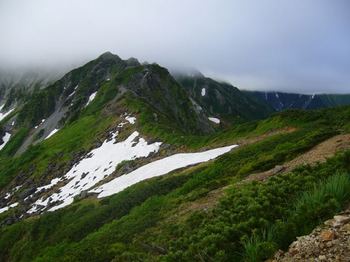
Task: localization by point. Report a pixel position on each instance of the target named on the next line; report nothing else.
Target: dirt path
(318, 154)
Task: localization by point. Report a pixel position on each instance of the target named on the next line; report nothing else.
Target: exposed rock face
(281, 101)
(328, 242)
(222, 99)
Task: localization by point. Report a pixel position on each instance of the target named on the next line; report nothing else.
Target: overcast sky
(286, 45)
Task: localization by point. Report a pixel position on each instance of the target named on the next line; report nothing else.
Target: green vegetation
(59, 149)
(15, 142)
(307, 211)
(162, 219)
(140, 223)
(224, 100)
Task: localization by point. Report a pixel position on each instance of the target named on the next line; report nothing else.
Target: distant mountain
(280, 101)
(222, 99)
(15, 86)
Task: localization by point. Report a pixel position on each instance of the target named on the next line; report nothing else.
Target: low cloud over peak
(298, 46)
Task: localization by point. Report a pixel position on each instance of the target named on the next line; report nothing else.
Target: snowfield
(158, 168)
(203, 91)
(99, 164)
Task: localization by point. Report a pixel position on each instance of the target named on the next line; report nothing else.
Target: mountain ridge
(120, 161)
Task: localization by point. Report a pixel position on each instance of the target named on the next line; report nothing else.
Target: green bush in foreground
(233, 231)
(309, 209)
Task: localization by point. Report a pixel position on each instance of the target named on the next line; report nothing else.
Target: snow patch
(71, 94)
(17, 187)
(203, 91)
(41, 122)
(214, 119)
(131, 119)
(52, 183)
(5, 138)
(99, 164)
(91, 98)
(3, 115)
(4, 209)
(52, 133)
(7, 196)
(158, 168)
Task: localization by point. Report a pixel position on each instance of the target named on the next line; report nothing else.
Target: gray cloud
(298, 46)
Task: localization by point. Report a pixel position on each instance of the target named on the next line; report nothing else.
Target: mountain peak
(109, 56)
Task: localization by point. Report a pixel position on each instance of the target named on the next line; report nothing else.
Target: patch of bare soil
(255, 139)
(318, 154)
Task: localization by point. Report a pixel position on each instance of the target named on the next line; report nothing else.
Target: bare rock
(277, 169)
(340, 220)
(327, 235)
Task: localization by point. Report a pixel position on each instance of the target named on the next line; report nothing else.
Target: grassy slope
(134, 224)
(77, 136)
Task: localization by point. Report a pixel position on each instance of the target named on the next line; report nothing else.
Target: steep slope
(117, 83)
(106, 95)
(280, 101)
(145, 222)
(222, 100)
(15, 87)
(110, 162)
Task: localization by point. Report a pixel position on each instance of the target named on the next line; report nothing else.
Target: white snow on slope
(100, 163)
(3, 115)
(91, 98)
(52, 133)
(203, 92)
(4, 209)
(7, 196)
(5, 138)
(42, 121)
(52, 183)
(158, 168)
(130, 119)
(214, 119)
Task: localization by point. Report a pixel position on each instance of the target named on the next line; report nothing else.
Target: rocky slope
(280, 101)
(328, 242)
(113, 81)
(222, 100)
(15, 87)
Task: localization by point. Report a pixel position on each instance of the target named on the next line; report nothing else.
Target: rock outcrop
(328, 242)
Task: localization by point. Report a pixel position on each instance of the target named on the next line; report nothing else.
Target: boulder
(327, 235)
